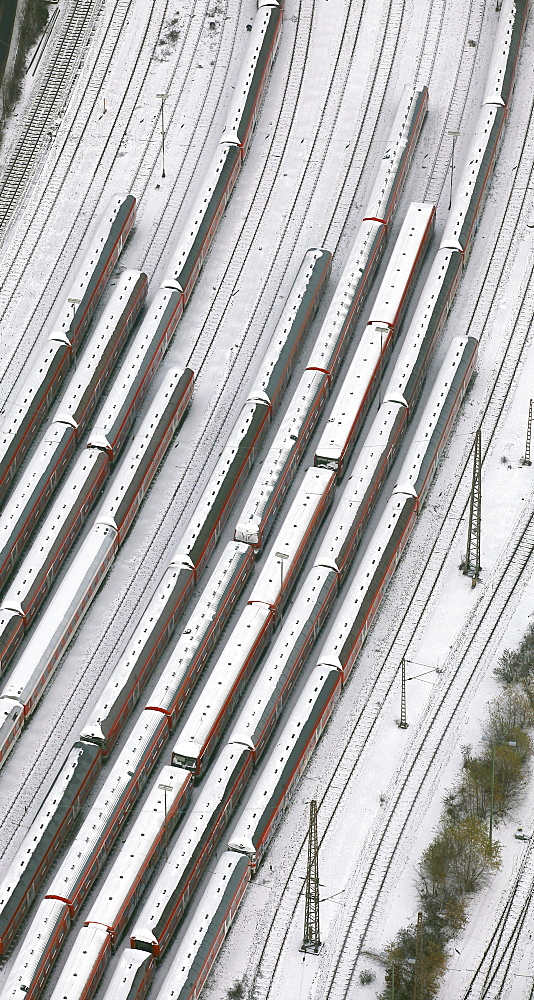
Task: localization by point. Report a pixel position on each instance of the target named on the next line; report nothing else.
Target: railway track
(72, 144)
(493, 976)
(69, 39)
(390, 56)
(412, 786)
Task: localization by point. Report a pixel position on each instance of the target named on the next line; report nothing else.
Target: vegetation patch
(461, 858)
(34, 21)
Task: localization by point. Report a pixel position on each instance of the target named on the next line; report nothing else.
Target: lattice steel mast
(472, 556)
(312, 939)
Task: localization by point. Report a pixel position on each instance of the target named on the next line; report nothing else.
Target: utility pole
(74, 303)
(312, 939)
(163, 98)
(165, 789)
(282, 556)
(472, 557)
(454, 137)
(403, 723)
(381, 330)
(526, 459)
(418, 993)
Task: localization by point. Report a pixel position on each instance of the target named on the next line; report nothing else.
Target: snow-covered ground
(333, 91)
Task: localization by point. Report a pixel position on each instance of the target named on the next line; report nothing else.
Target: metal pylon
(312, 939)
(403, 723)
(526, 460)
(418, 971)
(472, 556)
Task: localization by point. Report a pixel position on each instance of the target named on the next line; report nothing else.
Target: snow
(308, 173)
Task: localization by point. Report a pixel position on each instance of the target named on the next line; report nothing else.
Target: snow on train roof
(52, 626)
(283, 444)
(107, 803)
(407, 248)
(213, 792)
(139, 844)
(271, 679)
(358, 590)
(234, 556)
(368, 242)
(250, 624)
(278, 344)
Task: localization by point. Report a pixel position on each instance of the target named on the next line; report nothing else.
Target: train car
(155, 824)
(84, 965)
(198, 837)
(293, 541)
(253, 75)
(435, 424)
(294, 322)
(132, 977)
(429, 318)
(271, 795)
(47, 832)
(207, 929)
(472, 186)
(199, 736)
(151, 635)
(57, 534)
(26, 414)
(118, 897)
(11, 634)
(73, 318)
(400, 147)
(357, 500)
(364, 375)
(272, 688)
(404, 265)
(38, 392)
(202, 221)
(210, 514)
(90, 848)
(122, 690)
(32, 495)
(48, 642)
(281, 462)
(143, 358)
(356, 615)
(144, 456)
(358, 274)
(39, 951)
(96, 363)
(11, 726)
(506, 45)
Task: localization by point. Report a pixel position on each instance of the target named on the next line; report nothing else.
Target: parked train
(274, 379)
(472, 186)
(162, 911)
(365, 371)
(189, 255)
(68, 329)
(42, 476)
(59, 530)
(207, 929)
(200, 734)
(281, 462)
(117, 899)
(49, 640)
(204, 527)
